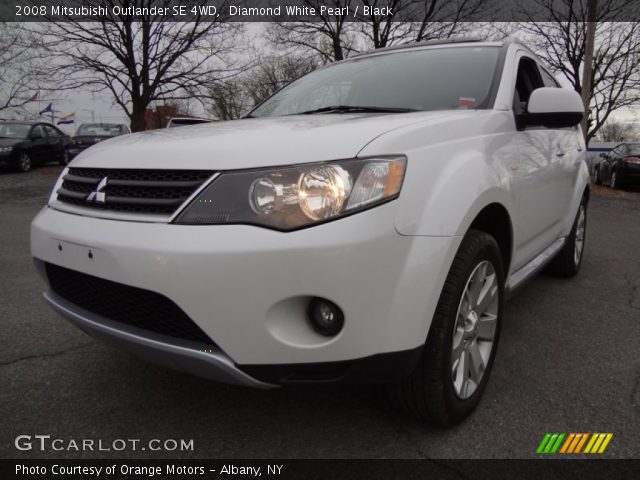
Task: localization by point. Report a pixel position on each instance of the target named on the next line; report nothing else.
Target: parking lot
(567, 362)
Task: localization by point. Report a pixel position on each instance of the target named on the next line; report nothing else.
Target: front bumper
(178, 355)
(247, 287)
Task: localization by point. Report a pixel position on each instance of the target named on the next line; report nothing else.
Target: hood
(10, 142)
(250, 143)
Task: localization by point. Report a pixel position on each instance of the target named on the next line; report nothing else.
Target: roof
(444, 41)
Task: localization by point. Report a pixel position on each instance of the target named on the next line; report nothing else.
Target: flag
(70, 118)
(48, 109)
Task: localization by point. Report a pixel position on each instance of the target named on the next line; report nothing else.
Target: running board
(524, 273)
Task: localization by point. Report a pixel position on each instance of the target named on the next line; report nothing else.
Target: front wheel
(24, 162)
(448, 383)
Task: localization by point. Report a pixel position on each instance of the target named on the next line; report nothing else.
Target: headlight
(287, 198)
(6, 149)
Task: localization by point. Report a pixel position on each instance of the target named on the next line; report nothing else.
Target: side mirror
(603, 155)
(553, 108)
(36, 136)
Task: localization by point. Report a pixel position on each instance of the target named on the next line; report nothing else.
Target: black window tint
(548, 79)
(51, 131)
(430, 79)
(37, 131)
(527, 80)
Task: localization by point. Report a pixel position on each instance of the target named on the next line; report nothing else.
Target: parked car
(91, 133)
(620, 166)
(26, 144)
(184, 121)
(358, 226)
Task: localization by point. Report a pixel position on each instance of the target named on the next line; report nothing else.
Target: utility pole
(587, 69)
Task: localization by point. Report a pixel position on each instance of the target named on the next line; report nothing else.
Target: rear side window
(37, 131)
(51, 131)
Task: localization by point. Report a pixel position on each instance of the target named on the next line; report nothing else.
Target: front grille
(121, 303)
(134, 191)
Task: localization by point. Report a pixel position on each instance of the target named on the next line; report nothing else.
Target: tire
(23, 163)
(431, 393)
(614, 183)
(65, 157)
(598, 180)
(569, 259)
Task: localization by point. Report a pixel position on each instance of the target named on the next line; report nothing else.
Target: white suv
(365, 223)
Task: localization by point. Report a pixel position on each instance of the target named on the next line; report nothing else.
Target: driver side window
(527, 80)
(37, 132)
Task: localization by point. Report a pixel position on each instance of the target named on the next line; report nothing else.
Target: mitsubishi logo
(98, 195)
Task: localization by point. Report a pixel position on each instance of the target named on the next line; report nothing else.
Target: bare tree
(615, 80)
(617, 131)
(417, 20)
(229, 100)
(141, 61)
(329, 37)
(18, 84)
(273, 73)
(232, 99)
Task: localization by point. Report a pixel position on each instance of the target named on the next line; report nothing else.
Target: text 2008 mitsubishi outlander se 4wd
(365, 223)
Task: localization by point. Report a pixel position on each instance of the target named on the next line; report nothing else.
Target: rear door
(39, 144)
(55, 140)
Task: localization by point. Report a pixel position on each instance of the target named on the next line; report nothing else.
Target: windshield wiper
(355, 109)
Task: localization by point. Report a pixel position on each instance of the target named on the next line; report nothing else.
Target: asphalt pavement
(567, 362)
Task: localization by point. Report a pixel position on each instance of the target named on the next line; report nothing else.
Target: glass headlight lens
(288, 198)
(323, 191)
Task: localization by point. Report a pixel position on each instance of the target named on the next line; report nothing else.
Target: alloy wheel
(581, 227)
(614, 179)
(474, 329)
(24, 162)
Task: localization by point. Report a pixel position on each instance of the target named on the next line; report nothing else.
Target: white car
(363, 224)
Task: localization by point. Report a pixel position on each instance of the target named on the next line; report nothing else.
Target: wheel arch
(495, 220)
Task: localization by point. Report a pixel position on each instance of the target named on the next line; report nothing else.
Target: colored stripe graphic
(581, 442)
(573, 443)
(543, 443)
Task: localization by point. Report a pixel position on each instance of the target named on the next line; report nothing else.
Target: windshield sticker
(466, 102)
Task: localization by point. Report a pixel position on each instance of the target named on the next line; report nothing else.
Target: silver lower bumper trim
(179, 355)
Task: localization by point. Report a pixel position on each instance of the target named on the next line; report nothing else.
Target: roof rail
(440, 41)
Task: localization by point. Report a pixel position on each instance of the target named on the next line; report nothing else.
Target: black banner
(315, 10)
(319, 469)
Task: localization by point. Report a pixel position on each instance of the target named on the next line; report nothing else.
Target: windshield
(99, 129)
(431, 79)
(14, 130)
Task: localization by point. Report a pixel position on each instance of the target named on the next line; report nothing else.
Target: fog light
(326, 317)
